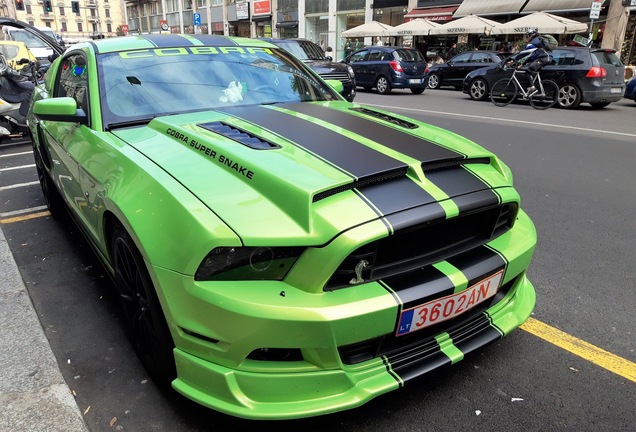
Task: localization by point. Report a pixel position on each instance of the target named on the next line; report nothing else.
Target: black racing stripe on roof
(166, 41)
(339, 150)
(457, 181)
(369, 127)
(396, 195)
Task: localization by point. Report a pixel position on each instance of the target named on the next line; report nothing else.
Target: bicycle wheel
(503, 92)
(546, 99)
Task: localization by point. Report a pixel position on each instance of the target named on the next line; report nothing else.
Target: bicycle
(506, 90)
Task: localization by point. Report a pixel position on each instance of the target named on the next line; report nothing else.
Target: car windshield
(304, 50)
(408, 55)
(30, 40)
(144, 84)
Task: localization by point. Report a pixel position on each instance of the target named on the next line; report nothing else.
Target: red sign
(262, 7)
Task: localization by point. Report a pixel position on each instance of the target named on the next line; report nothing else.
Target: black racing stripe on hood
(391, 137)
(396, 195)
(213, 40)
(478, 264)
(421, 286)
(476, 201)
(341, 151)
(456, 181)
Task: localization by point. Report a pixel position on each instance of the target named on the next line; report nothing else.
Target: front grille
(342, 76)
(427, 243)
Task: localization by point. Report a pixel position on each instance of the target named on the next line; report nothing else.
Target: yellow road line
(589, 352)
(25, 217)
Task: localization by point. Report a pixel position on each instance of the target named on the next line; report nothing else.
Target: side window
(376, 56)
(461, 58)
(73, 80)
(480, 58)
(359, 56)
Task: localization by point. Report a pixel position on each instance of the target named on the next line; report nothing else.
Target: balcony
(47, 17)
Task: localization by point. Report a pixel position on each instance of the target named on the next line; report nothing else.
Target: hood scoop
(385, 117)
(445, 164)
(365, 181)
(239, 135)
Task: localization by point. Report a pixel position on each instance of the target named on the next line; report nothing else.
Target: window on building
(109, 28)
(64, 27)
(344, 5)
(79, 27)
(107, 12)
(187, 4)
(172, 5)
(61, 10)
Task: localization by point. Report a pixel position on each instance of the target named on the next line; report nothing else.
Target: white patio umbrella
(544, 22)
(416, 27)
(468, 24)
(370, 29)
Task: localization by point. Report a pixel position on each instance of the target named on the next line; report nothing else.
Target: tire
(52, 197)
(141, 310)
(503, 92)
(382, 85)
(434, 81)
(478, 89)
(569, 96)
(417, 90)
(548, 98)
(599, 105)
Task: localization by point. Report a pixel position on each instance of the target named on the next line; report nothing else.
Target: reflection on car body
(278, 251)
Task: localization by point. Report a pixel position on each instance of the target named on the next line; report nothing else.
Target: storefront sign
(262, 7)
(242, 10)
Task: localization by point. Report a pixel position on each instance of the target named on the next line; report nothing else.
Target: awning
(490, 7)
(287, 24)
(557, 5)
(432, 14)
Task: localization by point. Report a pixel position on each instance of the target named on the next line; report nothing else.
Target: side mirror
(336, 85)
(63, 109)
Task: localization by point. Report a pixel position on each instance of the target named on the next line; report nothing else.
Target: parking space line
(589, 352)
(17, 167)
(15, 154)
(18, 185)
(25, 217)
(22, 211)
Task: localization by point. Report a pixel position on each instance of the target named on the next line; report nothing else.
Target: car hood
(323, 66)
(315, 169)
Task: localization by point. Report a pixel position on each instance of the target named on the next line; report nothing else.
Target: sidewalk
(32, 389)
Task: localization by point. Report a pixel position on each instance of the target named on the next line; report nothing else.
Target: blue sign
(197, 19)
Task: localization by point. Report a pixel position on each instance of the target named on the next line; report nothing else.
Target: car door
(360, 66)
(70, 145)
(459, 66)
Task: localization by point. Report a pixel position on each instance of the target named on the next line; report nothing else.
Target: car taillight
(596, 72)
(396, 66)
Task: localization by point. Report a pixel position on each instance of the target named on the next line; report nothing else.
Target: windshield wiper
(130, 123)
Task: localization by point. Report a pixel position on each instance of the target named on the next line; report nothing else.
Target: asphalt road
(575, 173)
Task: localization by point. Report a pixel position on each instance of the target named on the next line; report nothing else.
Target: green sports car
(279, 252)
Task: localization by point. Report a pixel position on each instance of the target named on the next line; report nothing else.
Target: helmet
(532, 31)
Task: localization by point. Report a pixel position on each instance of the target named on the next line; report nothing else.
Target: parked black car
(313, 55)
(591, 75)
(387, 67)
(453, 72)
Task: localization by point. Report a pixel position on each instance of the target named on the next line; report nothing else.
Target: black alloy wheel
(142, 313)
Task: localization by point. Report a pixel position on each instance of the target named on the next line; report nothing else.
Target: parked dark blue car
(630, 89)
(388, 67)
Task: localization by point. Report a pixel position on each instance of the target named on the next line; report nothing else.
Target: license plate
(616, 90)
(415, 81)
(449, 307)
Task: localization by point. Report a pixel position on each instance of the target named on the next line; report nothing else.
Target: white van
(38, 48)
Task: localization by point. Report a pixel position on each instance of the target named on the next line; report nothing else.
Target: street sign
(197, 19)
(595, 9)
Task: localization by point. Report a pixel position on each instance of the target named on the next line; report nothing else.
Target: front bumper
(217, 325)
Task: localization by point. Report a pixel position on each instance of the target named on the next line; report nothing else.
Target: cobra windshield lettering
(205, 50)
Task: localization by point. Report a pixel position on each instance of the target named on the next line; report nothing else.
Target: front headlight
(248, 263)
(351, 72)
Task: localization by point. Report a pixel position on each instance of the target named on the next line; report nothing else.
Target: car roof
(159, 41)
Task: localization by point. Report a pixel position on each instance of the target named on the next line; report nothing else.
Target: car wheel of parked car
(144, 318)
(382, 85)
(478, 89)
(599, 104)
(433, 81)
(569, 96)
(417, 90)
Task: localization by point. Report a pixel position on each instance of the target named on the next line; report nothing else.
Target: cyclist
(534, 55)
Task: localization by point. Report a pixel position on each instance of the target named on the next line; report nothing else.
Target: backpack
(549, 42)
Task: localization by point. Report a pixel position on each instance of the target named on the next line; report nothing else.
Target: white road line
(23, 211)
(16, 154)
(499, 120)
(17, 167)
(18, 185)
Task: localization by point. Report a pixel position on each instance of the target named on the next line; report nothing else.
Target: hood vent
(365, 181)
(445, 164)
(385, 117)
(239, 135)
